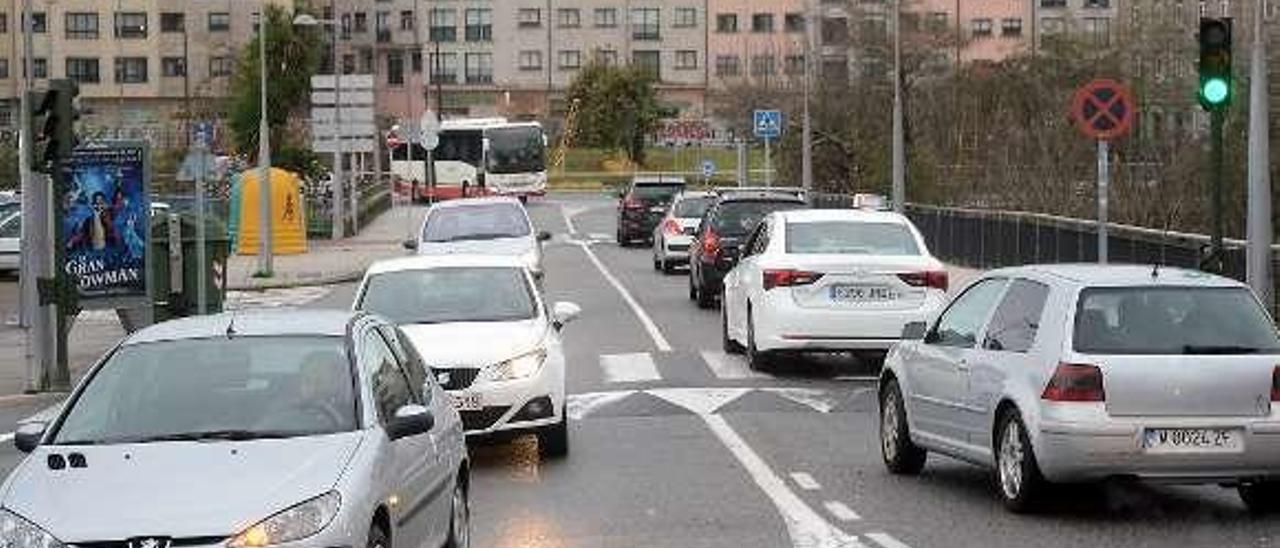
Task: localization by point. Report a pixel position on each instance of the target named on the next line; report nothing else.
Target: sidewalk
(329, 262)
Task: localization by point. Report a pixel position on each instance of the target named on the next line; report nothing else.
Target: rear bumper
(675, 248)
(782, 325)
(1072, 451)
(10, 261)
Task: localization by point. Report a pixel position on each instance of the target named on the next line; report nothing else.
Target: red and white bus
(477, 157)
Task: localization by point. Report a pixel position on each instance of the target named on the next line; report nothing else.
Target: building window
(795, 65)
(606, 18)
(131, 70)
(479, 68)
(415, 62)
(686, 59)
(1099, 28)
(4, 68)
(980, 27)
(82, 26)
(131, 25)
(4, 23)
(568, 18)
(607, 57)
(362, 22)
(219, 21)
(1097, 4)
(728, 65)
(444, 25)
(936, 21)
(366, 60)
(173, 66)
(793, 22)
(875, 27)
(763, 65)
(83, 69)
(173, 22)
(648, 61)
(444, 68)
(1052, 25)
(406, 20)
(39, 22)
(645, 23)
(528, 18)
(1053, 3)
(40, 67)
(479, 25)
(382, 22)
(569, 59)
(762, 22)
(835, 31)
(727, 22)
(395, 68)
(349, 63)
(221, 66)
(686, 18)
(531, 60)
(1011, 27)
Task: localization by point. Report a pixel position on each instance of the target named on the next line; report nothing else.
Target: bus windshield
(516, 150)
(461, 145)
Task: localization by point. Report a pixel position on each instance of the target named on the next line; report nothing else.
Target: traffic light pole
(1217, 251)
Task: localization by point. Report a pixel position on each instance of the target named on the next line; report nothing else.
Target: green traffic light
(1214, 91)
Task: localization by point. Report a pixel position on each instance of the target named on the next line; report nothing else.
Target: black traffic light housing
(1216, 87)
(53, 119)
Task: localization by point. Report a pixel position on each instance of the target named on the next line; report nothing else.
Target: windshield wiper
(1219, 349)
(219, 435)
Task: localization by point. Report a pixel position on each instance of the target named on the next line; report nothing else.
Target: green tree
(293, 56)
(617, 108)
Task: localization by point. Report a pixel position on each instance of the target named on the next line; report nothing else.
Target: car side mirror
(914, 331)
(544, 236)
(411, 245)
(410, 420)
(28, 436)
(564, 312)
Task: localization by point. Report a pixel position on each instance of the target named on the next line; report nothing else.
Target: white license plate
(657, 209)
(1193, 440)
(863, 293)
(468, 401)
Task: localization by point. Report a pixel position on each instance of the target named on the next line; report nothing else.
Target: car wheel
(668, 267)
(1018, 476)
(756, 360)
(1262, 497)
(730, 346)
(693, 290)
(622, 239)
(524, 199)
(459, 518)
(705, 299)
(378, 537)
(553, 441)
(658, 264)
(901, 456)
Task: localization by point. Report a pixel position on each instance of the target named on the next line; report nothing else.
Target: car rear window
(690, 208)
(850, 238)
(654, 192)
(1172, 320)
(477, 222)
(740, 217)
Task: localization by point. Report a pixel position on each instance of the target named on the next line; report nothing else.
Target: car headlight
(295, 523)
(17, 532)
(520, 367)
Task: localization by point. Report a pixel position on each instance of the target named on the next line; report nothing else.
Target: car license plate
(1193, 440)
(657, 209)
(862, 293)
(468, 401)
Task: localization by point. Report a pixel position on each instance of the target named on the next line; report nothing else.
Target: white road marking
(884, 539)
(649, 326)
(6, 437)
(599, 236)
(699, 400)
(637, 367)
(840, 511)
(724, 366)
(702, 401)
(806, 527)
(821, 401)
(578, 406)
(568, 218)
(805, 481)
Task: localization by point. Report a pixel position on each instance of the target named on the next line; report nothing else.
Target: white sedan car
(675, 232)
(1066, 373)
(481, 326)
(481, 226)
(829, 280)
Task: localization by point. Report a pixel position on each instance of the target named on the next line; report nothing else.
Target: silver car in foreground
(1070, 373)
(294, 428)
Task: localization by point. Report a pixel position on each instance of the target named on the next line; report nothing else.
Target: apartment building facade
(757, 43)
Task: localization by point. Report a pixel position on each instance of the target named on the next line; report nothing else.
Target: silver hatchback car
(285, 429)
(1069, 373)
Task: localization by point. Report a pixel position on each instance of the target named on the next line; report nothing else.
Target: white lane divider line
(806, 527)
(805, 481)
(579, 406)
(840, 511)
(648, 323)
(636, 367)
(600, 237)
(887, 541)
(568, 219)
(6, 437)
(724, 366)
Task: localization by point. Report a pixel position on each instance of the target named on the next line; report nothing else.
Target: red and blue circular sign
(1104, 109)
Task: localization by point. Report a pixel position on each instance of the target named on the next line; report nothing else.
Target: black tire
(657, 264)
(378, 537)
(1262, 497)
(668, 267)
(756, 360)
(524, 199)
(693, 290)
(459, 517)
(553, 440)
(706, 300)
(730, 346)
(900, 455)
(1018, 480)
(622, 239)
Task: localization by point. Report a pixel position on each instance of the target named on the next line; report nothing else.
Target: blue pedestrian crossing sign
(203, 133)
(767, 124)
(708, 168)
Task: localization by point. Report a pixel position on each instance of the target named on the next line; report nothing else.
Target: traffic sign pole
(768, 165)
(1104, 182)
(1215, 262)
(1103, 110)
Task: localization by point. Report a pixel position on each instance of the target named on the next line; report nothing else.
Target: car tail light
(788, 278)
(1075, 382)
(672, 227)
(936, 279)
(632, 203)
(1275, 384)
(710, 245)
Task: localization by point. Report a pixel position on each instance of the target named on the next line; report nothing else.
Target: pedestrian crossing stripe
(641, 367)
(709, 401)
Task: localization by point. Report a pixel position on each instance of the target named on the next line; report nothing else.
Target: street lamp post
(338, 188)
(265, 258)
(899, 140)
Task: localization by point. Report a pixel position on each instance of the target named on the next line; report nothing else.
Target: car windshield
(516, 150)
(851, 238)
(222, 388)
(693, 208)
(740, 217)
(478, 222)
(453, 294)
(1172, 320)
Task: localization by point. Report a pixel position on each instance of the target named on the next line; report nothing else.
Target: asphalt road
(675, 445)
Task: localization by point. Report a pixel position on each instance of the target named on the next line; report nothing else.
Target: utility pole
(1215, 96)
(265, 266)
(1259, 229)
(899, 140)
(37, 262)
(339, 228)
(806, 152)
